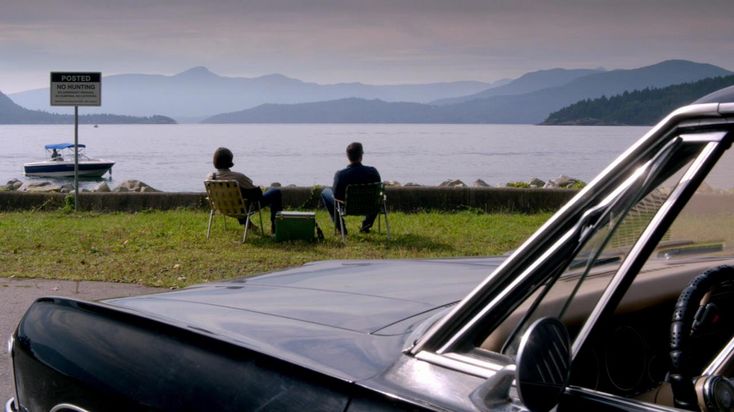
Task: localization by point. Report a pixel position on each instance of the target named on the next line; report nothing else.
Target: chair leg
(387, 224)
(209, 227)
(387, 227)
(260, 210)
(341, 225)
(247, 227)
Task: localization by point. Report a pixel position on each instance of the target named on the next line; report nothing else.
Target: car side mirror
(543, 364)
(540, 374)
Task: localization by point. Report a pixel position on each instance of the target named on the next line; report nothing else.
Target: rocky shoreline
(44, 186)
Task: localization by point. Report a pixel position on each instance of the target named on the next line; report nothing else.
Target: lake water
(178, 157)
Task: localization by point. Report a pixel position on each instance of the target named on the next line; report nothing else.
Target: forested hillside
(11, 113)
(640, 107)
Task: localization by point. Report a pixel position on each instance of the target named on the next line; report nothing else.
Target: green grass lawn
(170, 248)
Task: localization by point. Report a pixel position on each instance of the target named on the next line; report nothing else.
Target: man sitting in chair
(272, 197)
(355, 173)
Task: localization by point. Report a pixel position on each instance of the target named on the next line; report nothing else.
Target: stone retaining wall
(407, 199)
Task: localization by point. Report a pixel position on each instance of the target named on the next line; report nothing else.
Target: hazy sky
(370, 41)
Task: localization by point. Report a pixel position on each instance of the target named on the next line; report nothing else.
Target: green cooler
(295, 226)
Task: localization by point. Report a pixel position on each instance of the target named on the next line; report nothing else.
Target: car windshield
(601, 241)
(628, 351)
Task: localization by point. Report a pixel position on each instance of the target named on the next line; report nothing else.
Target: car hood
(324, 315)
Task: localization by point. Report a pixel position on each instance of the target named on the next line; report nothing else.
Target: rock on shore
(46, 187)
(563, 182)
(134, 186)
(452, 183)
(13, 184)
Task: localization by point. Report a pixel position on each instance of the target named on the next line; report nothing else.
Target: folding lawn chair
(363, 200)
(226, 198)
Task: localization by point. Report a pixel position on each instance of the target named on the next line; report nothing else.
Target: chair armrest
(340, 206)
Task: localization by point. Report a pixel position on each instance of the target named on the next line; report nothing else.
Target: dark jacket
(355, 173)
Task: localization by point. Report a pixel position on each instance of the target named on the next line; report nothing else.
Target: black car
(623, 300)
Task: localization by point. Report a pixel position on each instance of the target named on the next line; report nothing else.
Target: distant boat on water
(61, 163)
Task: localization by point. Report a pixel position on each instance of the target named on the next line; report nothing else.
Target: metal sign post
(76, 89)
(76, 158)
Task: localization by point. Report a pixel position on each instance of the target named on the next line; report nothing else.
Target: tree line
(640, 107)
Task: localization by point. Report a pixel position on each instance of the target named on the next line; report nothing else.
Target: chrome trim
(642, 241)
(510, 288)
(67, 406)
(724, 357)
(708, 137)
(11, 345)
(457, 365)
(9, 405)
(726, 108)
(617, 402)
(482, 363)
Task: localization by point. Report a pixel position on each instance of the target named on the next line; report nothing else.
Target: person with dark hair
(354, 173)
(223, 161)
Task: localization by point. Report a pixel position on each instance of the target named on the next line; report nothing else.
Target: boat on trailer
(61, 163)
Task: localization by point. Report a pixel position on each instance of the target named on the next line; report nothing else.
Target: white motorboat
(61, 163)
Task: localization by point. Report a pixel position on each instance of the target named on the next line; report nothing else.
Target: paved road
(16, 295)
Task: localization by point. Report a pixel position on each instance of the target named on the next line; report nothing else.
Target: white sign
(76, 89)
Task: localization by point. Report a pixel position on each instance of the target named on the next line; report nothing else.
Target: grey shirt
(226, 174)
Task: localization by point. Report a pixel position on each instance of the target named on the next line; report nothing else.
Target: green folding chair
(226, 198)
(363, 200)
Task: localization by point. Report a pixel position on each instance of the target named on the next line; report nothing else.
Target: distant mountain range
(198, 93)
(11, 113)
(351, 110)
(534, 107)
(526, 83)
(528, 107)
(640, 107)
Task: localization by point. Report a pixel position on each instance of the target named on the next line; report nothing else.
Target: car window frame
(558, 255)
(723, 359)
(555, 231)
(716, 143)
(432, 346)
(556, 226)
(619, 203)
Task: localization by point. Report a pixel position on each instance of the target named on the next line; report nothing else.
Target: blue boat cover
(60, 146)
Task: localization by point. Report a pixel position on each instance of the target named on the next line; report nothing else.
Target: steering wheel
(694, 312)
